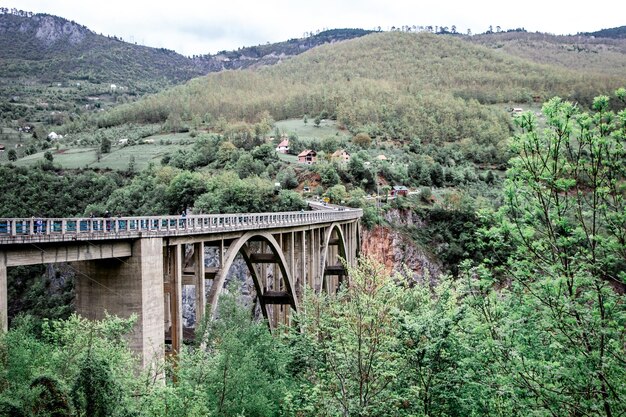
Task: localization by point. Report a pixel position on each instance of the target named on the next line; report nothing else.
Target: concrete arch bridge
(140, 265)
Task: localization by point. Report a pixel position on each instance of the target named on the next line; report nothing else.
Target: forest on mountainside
(392, 86)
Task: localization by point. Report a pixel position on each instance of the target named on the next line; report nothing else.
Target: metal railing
(119, 227)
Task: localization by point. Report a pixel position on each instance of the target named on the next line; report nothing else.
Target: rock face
(398, 253)
(51, 29)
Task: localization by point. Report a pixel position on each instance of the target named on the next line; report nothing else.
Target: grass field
(309, 131)
(288, 158)
(9, 138)
(117, 159)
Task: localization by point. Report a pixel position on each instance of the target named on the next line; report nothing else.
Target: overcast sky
(208, 26)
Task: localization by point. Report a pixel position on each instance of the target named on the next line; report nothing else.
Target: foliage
(36, 373)
(557, 332)
(405, 86)
(287, 178)
(345, 354)
(227, 193)
(105, 145)
(31, 192)
(235, 368)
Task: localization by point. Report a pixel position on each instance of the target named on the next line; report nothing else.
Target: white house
(54, 136)
(283, 147)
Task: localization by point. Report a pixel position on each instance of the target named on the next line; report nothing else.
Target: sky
(195, 27)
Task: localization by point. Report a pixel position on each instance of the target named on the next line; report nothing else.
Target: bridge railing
(22, 227)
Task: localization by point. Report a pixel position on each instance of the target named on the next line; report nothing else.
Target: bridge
(140, 265)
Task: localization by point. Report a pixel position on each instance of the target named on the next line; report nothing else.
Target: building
(399, 191)
(283, 147)
(381, 157)
(2, 148)
(341, 156)
(308, 157)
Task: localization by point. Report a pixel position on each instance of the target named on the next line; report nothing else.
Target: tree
(362, 139)
(337, 194)
(565, 217)
(105, 145)
(317, 121)
(437, 175)
(287, 178)
(183, 191)
(12, 155)
(328, 174)
(48, 156)
(131, 165)
(345, 351)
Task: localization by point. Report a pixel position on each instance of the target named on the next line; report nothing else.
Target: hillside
(391, 85)
(593, 55)
(270, 54)
(54, 69)
(53, 49)
(616, 33)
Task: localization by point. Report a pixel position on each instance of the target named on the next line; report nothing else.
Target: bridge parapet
(28, 230)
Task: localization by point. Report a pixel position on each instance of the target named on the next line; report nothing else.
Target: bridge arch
(276, 257)
(334, 269)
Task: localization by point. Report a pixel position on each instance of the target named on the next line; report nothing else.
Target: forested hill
(48, 49)
(594, 56)
(391, 84)
(45, 48)
(616, 33)
(255, 56)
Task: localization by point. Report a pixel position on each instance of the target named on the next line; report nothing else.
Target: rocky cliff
(399, 253)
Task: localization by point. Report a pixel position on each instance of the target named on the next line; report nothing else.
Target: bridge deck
(30, 230)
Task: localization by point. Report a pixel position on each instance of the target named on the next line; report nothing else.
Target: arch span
(341, 243)
(240, 245)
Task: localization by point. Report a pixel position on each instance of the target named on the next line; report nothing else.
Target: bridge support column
(173, 292)
(4, 309)
(199, 272)
(125, 286)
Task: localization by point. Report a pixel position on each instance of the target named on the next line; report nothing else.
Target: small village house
(2, 147)
(308, 157)
(341, 156)
(283, 146)
(399, 191)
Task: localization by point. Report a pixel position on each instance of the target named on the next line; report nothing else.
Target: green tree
(337, 193)
(560, 345)
(105, 145)
(362, 139)
(287, 178)
(182, 192)
(346, 350)
(328, 174)
(48, 156)
(12, 155)
(437, 175)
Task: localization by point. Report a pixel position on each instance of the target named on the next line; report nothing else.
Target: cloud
(192, 27)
